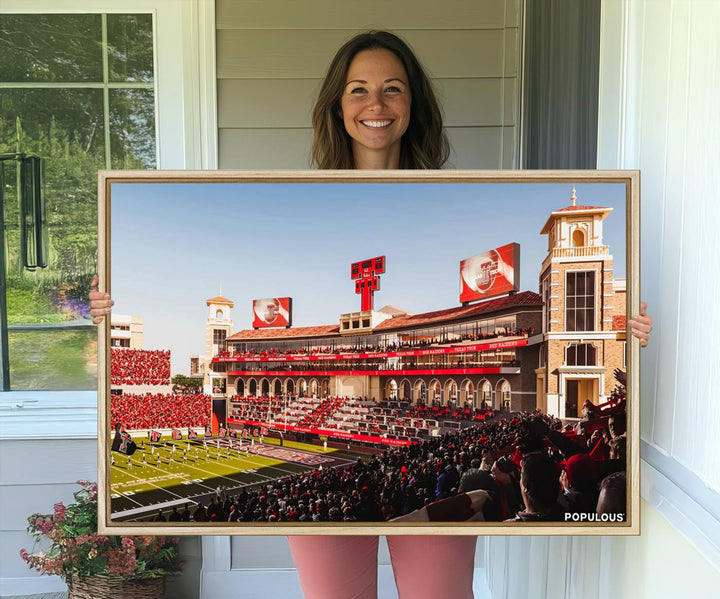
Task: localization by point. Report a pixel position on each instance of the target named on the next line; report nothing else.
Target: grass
(141, 487)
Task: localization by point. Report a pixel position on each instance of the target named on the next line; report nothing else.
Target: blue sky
(174, 245)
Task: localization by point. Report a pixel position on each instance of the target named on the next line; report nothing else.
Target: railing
(581, 252)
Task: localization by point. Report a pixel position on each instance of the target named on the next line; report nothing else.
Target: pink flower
(59, 509)
(121, 562)
(43, 526)
(128, 543)
(24, 555)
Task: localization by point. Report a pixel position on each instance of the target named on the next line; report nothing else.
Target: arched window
(219, 315)
(578, 238)
(581, 354)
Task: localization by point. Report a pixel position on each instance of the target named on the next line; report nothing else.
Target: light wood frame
(631, 180)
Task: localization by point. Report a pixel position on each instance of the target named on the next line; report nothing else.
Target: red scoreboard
(364, 273)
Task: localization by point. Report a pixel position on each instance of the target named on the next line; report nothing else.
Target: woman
(377, 110)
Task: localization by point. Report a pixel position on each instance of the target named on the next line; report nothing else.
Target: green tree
(192, 384)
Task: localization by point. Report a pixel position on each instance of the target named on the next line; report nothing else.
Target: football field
(169, 473)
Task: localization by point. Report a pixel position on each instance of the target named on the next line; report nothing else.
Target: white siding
(670, 127)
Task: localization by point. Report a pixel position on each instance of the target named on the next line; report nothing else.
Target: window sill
(48, 415)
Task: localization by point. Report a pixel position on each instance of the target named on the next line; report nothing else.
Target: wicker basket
(112, 587)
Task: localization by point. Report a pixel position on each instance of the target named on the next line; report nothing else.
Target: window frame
(186, 131)
(587, 348)
(594, 302)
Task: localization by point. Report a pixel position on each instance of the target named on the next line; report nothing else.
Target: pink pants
(345, 567)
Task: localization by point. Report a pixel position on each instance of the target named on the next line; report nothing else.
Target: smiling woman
(375, 108)
(364, 109)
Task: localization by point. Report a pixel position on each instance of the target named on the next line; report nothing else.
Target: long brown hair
(424, 144)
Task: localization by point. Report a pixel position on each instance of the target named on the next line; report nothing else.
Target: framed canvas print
(367, 352)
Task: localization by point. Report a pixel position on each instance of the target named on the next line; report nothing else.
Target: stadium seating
(159, 410)
(139, 367)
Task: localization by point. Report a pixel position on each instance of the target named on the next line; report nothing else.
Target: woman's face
(375, 107)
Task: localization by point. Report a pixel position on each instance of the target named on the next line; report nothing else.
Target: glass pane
(53, 120)
(132, 128)
(570, 284)
(50, 48)
(570, 357)
(53, 359)
(580, 283)
(65, 128)
(130, 47)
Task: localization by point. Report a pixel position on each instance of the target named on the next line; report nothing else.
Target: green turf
(147, 476)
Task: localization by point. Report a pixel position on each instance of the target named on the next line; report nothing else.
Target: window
(219, 336)
(581, 354)
(580, 301)
(78, 91)
(578, 238)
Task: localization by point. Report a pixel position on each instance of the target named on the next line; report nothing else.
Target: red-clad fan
(160, 410)
(139, 367)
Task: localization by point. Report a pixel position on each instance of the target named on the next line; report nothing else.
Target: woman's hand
(641, 325)
(100, 303)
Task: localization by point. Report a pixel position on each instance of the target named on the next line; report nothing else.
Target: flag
(233, 433)
(208, 431)
(176, 434)
(222, 432)
(264, 431)
(192, 434)
(245, 433)
(155, 436)
(255, 433)
(123, 443)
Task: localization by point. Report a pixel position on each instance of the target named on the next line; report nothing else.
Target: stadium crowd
(322, 412)
(435, 412)
(530, 468)
(159, 410)
(139, 366)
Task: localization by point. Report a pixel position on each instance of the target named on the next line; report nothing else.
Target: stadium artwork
(356, 408)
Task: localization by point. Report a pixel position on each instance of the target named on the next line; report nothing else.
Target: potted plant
(95, 566)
